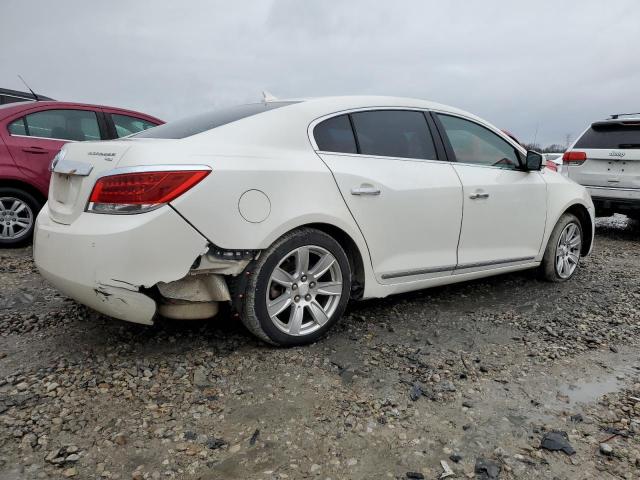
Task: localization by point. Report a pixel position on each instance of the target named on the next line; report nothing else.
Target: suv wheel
(297, 289)
(562, 255)
(18, 210)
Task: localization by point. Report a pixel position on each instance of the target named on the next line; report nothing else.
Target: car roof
(334, 104)
(17, 107)
(616, 117)
(289, 125)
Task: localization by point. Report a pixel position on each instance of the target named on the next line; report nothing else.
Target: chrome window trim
(49, 138)
(359, 155)
(318, 120)
(424, 110)
(519, 148)
(29, 99)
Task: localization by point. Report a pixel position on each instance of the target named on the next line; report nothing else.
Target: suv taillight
(574, 158)
(139, 192)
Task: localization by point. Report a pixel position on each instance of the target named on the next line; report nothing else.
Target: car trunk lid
(608, 168)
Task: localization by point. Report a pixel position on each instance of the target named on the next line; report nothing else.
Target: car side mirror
(534, 161)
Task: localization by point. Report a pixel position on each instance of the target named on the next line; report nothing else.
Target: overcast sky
(527, 66)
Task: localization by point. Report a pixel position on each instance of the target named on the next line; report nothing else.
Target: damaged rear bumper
(106, 261)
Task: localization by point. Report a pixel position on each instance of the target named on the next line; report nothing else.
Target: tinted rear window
(610, 135)
(394, 133)
(207, 121)
(335, 135)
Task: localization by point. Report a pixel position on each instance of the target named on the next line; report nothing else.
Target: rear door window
(609, 135)
(77, 125)
(18, 127)
(393, 133)
(335, 135)
(127, 125)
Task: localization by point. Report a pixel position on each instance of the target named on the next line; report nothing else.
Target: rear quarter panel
(7, 165)
(299, 187)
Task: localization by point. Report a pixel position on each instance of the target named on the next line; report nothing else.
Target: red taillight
(574, 158)
(551, 166)
(141, 191)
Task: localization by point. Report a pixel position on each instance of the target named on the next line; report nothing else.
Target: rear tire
(296, 290)
(562, 255)
(18, 211)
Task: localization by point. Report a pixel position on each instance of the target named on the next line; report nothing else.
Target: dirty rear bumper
(103, 261)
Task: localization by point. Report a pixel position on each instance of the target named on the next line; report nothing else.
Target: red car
(31, 133)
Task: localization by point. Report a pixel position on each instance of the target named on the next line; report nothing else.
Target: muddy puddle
(610, 374)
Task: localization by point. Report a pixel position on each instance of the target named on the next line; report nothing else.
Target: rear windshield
(611, 135)
(207, 121)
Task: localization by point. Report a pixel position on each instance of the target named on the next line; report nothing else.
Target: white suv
(606, 160)
(289, 209)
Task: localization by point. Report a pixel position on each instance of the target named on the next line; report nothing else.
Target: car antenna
(268, 97)
(26, 85)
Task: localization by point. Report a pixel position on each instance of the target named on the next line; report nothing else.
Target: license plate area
(64, 195)
(61, 188)
(623, 173)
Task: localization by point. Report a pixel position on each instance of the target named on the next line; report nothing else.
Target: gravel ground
(477, 375)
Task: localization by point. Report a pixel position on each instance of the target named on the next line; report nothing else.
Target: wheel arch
(582, 213)
(30, 189)
(356, 261)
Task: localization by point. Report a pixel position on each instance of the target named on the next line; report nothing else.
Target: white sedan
(288, 209)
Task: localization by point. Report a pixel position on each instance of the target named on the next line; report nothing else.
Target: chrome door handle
(475, 196)
(362, 190)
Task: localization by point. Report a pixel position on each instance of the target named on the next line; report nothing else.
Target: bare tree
(567, 140)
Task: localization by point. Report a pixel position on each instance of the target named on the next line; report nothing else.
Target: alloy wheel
(568, 250)
(16, 218)
(304, 290)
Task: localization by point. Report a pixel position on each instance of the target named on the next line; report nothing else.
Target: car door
(504, 210)
(35, 138)
(406, 202)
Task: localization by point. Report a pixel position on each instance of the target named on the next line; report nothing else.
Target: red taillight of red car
(141, 191)
(574, 158)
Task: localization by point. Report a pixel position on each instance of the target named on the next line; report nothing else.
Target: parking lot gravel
(476, 380)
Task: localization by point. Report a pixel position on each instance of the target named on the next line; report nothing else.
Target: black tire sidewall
(303, 238)
(35, 208)
(550, 270)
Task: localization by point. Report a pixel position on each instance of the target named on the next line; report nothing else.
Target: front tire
(297, 289)
(18, 210)
(562, 255)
